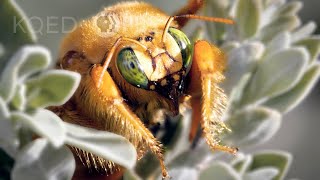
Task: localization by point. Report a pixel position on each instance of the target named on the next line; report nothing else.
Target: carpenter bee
(138, 66)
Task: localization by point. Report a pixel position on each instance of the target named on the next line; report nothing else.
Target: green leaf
(312, 44)
(276, 74)
(287, 101)
(252, 126)
(240, 61)
(52, 88)
(15, 30)
(248, 14)
(27, 60)
(279, 43)
(281, 24)
(39, 160)
(103, 144)
(303, 31)
(221, 171)
(182, 174)
(18, 101)
(44, 123)
(278, 159)
(266, 173)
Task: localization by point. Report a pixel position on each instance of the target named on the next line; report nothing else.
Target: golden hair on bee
(137, 66)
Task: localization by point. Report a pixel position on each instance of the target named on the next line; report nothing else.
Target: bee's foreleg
(208, 100)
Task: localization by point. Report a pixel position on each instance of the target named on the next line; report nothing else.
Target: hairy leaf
(252, 126)
(39, 160)
(219, 170)
(101, 143)
(52, 88)
(287, 101)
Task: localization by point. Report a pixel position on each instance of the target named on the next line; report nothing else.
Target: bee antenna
(193, 16)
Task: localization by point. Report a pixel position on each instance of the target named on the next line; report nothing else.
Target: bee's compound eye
(184, 45)
(130, 69)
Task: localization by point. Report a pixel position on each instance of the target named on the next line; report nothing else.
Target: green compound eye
(129, 68)
(184, 45)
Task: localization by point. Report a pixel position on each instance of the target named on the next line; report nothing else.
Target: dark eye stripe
(184, 45)
(130, 68)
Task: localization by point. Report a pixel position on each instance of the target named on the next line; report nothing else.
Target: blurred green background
(300, 129)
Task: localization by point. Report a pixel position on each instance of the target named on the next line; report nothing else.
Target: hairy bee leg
(208, 100)
(136, 129)
(191, 7)
(153, 144)
(213, 104)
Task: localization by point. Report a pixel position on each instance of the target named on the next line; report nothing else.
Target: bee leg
(122, 119)
(208, 100)
(191, 7)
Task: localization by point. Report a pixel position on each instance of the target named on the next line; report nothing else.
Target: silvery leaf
(303, 31)
(8, 138)
(312, 44)
(214, 8)
(192, 157)
(248, 17)
(2, 50)
(267, 173)
(240, 61)
(219, 170)
(4, 111)
(241, 165)
(45, 124)
(228, 46)
(276, 74)
(252, 126)
(182, 174)
(283, 23)
(52, 88)
(18, 101)
(237, 93)
(26, 61)
(279, 43)
(103, 144)
(273, 2)
(39, 160)
(277, 159)
(287, 101)
(290, 8)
